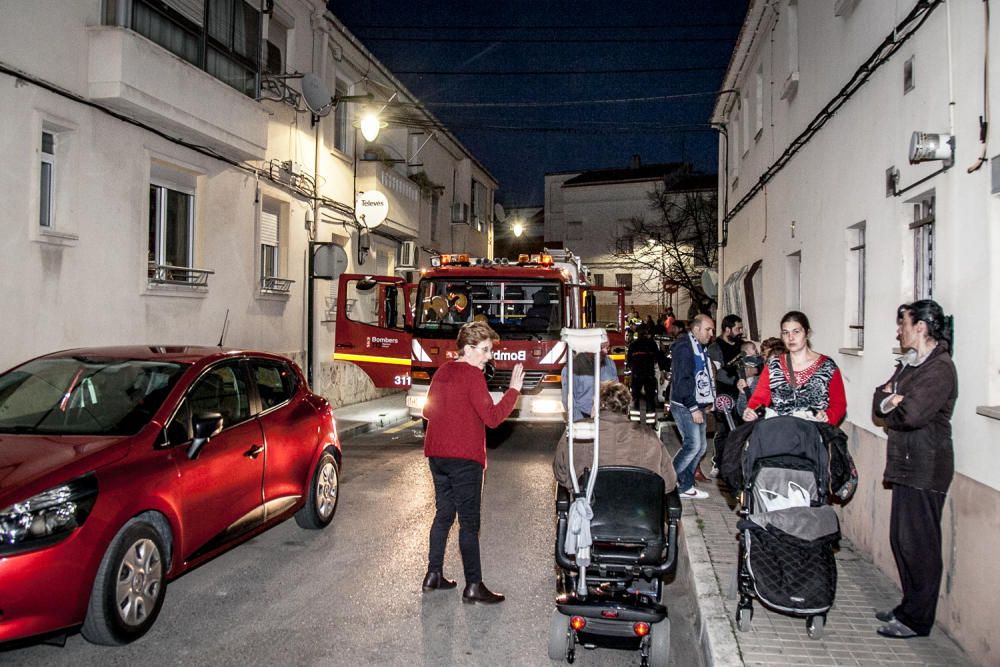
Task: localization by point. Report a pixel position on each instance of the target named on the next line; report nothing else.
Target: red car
(123, 467)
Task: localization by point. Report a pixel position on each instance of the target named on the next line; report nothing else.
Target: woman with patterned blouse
(801, 382)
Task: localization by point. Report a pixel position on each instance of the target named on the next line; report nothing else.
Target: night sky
(531, 63)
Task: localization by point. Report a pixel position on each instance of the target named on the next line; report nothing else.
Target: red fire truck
(399, 333)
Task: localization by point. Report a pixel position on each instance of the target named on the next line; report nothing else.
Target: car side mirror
(206, 425)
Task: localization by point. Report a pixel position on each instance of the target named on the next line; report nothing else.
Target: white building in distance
(602, 215)
(164, 170)
(823, 210)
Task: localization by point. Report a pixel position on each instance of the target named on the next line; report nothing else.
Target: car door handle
(254, 451)
(345, 344)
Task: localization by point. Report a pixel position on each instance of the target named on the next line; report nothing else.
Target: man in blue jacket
(692, 395)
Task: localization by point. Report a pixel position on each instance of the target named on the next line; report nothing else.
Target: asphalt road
(350, 594)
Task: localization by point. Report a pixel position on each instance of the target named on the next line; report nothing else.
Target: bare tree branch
(675, 244)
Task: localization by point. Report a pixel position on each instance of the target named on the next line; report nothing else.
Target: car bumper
(46, 590)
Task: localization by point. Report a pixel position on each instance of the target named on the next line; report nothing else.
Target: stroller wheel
(815, 626)
(744, 615)
(559, 636)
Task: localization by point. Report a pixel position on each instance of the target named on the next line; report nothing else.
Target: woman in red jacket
(802, 382)
(458, 410)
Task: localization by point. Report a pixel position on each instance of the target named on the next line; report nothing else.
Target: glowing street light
(370, 125)
(517, 228)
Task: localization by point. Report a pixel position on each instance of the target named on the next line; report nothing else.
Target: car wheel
(129, 588)
(324, 492)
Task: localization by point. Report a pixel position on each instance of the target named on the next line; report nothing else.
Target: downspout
(320, 31)
(723, 241)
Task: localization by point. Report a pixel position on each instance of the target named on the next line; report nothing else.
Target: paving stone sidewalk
(775, 639)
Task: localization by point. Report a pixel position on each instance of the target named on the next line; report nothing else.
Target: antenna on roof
(225, 325)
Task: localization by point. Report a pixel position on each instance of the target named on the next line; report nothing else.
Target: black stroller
(788, 532)
(611, 590)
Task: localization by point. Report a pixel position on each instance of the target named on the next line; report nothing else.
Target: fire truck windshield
(514, 308)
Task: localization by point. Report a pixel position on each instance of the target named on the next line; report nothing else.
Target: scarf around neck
(704, 384)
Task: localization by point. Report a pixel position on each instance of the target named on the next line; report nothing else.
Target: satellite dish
(499, 213)
(371, 208)
(710, 282)
(316, 95)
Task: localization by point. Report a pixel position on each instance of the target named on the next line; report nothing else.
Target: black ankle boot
(435, 580)
(478, 592)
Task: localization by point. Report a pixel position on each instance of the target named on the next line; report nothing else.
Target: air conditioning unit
(406, 256)
(459, 212)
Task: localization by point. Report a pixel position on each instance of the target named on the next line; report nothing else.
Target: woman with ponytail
(915, 406)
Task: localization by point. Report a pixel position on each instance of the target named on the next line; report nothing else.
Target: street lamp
(517, 228)
(370, 124)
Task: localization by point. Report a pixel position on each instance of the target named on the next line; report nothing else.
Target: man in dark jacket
(915, 406)
(725, 352)
(643, 357)
(692, 395)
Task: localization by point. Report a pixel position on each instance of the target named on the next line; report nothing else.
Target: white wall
(86, 283)
(838, 180)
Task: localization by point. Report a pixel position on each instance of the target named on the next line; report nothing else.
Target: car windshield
(84, 396)
(513, 308)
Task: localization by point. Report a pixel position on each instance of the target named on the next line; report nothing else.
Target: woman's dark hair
(928, 311)
(797, 316)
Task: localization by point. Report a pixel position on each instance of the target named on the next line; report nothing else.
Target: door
(221, 490)
(605, 307)
(290, 430)
(372, 317)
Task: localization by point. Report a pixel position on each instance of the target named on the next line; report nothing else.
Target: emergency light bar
(464, 260)
(543, 260)
(446, 260)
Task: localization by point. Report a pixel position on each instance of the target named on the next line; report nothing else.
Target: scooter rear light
(640, 629)
(578, 623)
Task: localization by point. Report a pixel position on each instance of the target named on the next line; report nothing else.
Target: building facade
(827, 205)
(173, 180)
(606, 217)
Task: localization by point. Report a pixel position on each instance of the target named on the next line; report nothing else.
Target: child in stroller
(616, 539)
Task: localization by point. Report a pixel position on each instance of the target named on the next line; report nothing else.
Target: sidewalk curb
(351, 428)
(715, 628)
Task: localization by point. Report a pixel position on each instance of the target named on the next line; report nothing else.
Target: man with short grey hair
(692, 395)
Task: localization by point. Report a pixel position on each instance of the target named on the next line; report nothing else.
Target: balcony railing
(402, 194)
(166, 274)
(275, 285)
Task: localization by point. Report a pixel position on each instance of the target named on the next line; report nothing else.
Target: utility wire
(566, 103)
(555, 28)
(549, 72)
(547, 40)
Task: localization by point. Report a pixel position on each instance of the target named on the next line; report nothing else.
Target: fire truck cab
(401, 333)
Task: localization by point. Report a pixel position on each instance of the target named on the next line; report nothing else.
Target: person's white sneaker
(694, 494)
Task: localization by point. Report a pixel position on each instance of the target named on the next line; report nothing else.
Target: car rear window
(276, 382)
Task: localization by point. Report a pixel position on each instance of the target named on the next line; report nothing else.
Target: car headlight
(47, 517)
